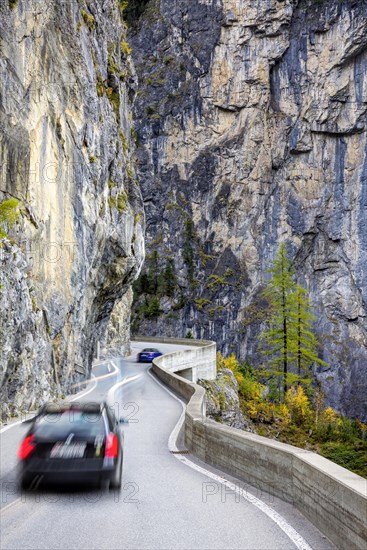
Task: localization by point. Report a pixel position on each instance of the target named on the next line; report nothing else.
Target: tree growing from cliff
(168, 279)
(289, 340)
(277, 337)
(304, 343)
(188, 250)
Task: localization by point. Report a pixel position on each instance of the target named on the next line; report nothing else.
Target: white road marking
(102, 376)
(5, 508)
(74, 399)
(95, 379)
(282, 523)
(112, 391)
(88, 391)
(10, 426)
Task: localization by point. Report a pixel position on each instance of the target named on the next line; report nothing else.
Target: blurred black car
(72, 443)
(148, 354)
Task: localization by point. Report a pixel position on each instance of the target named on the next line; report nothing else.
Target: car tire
(26, 482)
(116, 480)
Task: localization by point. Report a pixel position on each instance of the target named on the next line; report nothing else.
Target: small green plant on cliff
(119, 203)
(122, 202)
(125, 145)
(88, 19)
(100, 86)
(215, 310)
(35, 307)
(112, 66)
(215, 282)
(125, 49)
(201, 303)
(134, 136)
(130, 171)
(205, 258)
(114, 98)
(168, 60)
(13, 4)
(150, 110)
(123, 4)
(9, 215)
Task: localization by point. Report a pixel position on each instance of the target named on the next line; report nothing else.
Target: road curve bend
(164, 503)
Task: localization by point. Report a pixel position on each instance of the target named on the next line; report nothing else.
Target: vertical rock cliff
(66, 153)
(252, 127)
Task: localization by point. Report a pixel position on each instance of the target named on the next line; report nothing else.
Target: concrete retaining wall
(334, 499)
(196, 363)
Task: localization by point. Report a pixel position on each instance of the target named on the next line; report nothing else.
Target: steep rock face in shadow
(66, 152)
(252, 126)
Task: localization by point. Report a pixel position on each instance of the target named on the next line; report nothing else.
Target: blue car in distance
(148, 354)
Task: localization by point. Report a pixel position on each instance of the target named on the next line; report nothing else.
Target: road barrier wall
(201, 361)
(331, 497)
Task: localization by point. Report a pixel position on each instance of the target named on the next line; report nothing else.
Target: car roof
(57, 408)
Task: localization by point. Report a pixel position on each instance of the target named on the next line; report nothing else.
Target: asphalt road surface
(167, 501)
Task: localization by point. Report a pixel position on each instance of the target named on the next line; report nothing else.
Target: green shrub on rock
(9, 215)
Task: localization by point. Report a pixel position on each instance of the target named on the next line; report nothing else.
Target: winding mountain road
(168, 500)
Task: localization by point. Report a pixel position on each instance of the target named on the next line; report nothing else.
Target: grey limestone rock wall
(252, 127)
(66, 152)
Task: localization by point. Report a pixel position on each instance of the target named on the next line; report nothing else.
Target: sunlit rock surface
(222, 401)
(66, 152)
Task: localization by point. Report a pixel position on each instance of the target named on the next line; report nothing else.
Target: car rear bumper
(67, 478)
(49, 474)
(148, 359)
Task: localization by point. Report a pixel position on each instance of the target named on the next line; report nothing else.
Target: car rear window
(60, 425)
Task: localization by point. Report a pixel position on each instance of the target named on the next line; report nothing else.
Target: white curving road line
(282, 523)
(112, 391)
(96, 379)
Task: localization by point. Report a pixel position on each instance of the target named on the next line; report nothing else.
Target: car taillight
(26, 448)
(112, 446)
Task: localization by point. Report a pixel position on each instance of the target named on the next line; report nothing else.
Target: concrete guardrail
(192, 364)
(331, 497)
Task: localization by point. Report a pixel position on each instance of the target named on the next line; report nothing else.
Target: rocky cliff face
(222, 401)
(66, 152)
(252, 125)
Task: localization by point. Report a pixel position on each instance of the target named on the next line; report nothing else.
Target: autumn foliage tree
(304, 343)
(277, 336)
(289, 342)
